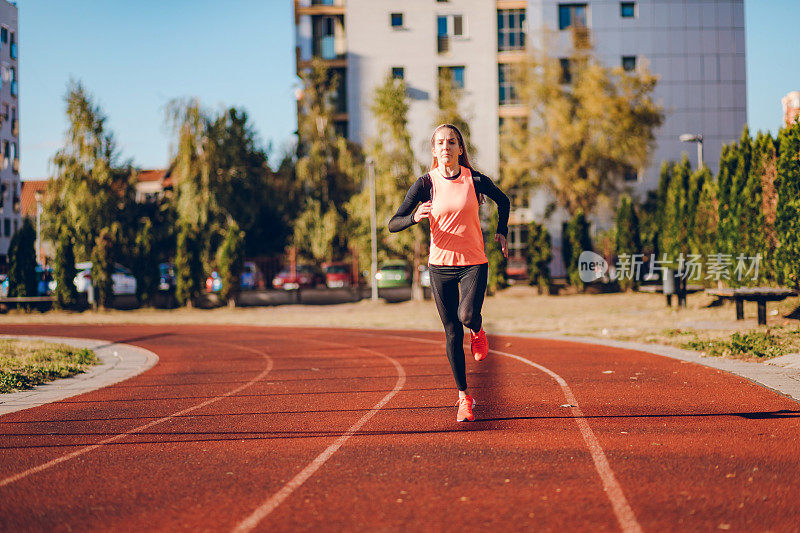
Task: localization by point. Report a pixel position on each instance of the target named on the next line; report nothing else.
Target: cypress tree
(64, 271)
(579, 241)
(787, 223)
(22, 280)
(145, 267)
(727, 168)
(628, 237)
(188, 265)
(703, 237)
(539, 256)
(103, 268)
(230, 259)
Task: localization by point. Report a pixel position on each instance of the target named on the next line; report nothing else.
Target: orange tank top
(456, 237)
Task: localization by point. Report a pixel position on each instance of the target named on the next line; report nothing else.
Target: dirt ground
(624, 316)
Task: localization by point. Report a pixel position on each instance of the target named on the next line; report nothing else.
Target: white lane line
(249, 523)
(622, 509)
(86, 449)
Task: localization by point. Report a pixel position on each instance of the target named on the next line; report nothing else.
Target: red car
(338, 275)
(304, 277)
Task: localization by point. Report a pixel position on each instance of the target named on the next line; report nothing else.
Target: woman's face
(445, 147)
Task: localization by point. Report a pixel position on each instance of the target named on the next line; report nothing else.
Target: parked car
(124, 283)
(3, 285)
(166, 279)
(45, 284)
(213, 282)
(306, 276)
(424, 276)
(252, 278)
(338, 275)
(517, 268)
(396, 273)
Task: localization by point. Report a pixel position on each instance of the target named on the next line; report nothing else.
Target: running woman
(450, 194)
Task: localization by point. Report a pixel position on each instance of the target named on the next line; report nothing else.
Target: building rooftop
(28, 196)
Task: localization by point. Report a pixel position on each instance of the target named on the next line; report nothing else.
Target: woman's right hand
(423, 211)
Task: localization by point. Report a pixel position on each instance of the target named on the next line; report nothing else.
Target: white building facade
(696, 47)
(10, 187)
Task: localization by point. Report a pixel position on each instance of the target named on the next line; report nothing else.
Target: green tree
(497, 279)
(703, 237)
(539, 256)
(145, 261)
(674, 218)
(230, 259)
(328, 169)
(92, 189)
(64, 271)
(575, 240)
(103, 267)
(787, 223)
(22, 262)
(395, 166)
(188, 265)
(628, 238)
(583, 136)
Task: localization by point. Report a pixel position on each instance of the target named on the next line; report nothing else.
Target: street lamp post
(38, 196)
(692, 138)
(373, 230)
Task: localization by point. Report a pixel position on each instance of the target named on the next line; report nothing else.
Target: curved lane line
(622, 509)
(249, 523)
(86, 449)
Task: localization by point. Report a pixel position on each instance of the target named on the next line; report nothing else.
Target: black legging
(455, 311)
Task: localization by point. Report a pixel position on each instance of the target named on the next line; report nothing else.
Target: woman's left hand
(503, 244)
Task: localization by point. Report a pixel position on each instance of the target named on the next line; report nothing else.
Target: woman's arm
(486, 186)
(404, 217)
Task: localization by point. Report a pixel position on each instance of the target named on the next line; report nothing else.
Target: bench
(4, 301)
(760, 295)
(659, 288)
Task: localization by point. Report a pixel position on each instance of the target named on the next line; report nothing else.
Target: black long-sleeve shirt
(420, 192)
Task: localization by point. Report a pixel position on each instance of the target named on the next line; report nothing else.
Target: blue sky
(136, 56)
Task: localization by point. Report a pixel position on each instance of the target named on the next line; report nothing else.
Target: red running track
(284, 429)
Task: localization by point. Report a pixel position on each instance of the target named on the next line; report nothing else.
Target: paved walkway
(118, 362)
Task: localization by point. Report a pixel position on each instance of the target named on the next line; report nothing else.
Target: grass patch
(25, 364)
(754, 344)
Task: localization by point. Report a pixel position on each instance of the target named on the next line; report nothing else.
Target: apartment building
(10, 187)
(695, 46)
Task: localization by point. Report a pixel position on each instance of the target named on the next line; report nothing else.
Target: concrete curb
(118, 362)
(784, 380)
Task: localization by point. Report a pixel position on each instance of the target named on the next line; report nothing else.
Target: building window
(13, 48)
(629, 63)
(7, 227)
(631, 175)
(324, 37)
(456, 75)
(4, 35)
(450, 25)
(510, 29)
(505, 78)
(396, 20)
(627, 10)
(398, 73)
(566, 71)
(571, 15)
(447, 27)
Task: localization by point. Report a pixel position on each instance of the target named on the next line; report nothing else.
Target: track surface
(309, 429)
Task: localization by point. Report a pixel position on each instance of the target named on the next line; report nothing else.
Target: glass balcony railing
(13, 51)
(14, 88)
(327, 48)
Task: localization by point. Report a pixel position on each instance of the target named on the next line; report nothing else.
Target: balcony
(13, 51)
(335, 7)
(14, 88)
(16, 165)
(15, 127)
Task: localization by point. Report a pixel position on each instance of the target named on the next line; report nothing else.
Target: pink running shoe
(465, 406)
(479, 345)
